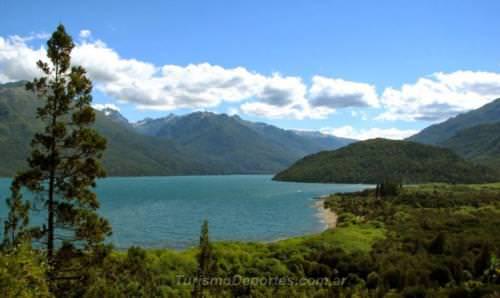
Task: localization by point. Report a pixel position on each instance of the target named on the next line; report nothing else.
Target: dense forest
(372, 161)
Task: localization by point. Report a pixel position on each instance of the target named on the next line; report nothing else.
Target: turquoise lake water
(168, 211)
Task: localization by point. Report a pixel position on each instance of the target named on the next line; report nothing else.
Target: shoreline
(326, 216)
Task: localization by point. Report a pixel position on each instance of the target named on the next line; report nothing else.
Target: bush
(415, 292)
(373, 280)
(441, 275)
(392, 278)
(22, 273)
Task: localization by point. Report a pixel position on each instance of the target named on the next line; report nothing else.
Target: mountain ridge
(434, 134)
(480, 143)
(228, 144)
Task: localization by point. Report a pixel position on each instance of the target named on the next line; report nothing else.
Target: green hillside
(374, 160)
(128, 153)
(480, 144)
(434, 134)
(474, 135)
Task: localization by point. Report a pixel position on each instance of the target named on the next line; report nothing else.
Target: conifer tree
(15, 226)
(64, 161)
(206, 263)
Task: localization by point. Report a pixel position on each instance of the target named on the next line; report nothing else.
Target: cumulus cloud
(17, 60)
(370, 133)
(282, 91)
(292, 111)
(440, 96)
(194, 86)
(201, 86)
(338, 93)
(284, 97)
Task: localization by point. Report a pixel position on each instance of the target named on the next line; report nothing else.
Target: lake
(168, 211)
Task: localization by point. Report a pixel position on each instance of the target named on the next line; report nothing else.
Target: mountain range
(209, 143)
(197, 143)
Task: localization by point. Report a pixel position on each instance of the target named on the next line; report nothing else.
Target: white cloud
(292, 111)
(17, 60)
(440, 96)
(370, 133)
(195, 86)
(338, 93)
(84, 34)
(282, 91)
(284, 97)
(100, 107)
(203, 86)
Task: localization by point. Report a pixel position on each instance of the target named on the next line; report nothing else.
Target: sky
(358, 69)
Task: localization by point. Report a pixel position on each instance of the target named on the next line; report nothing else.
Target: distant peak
(113, 113)
(148, 120)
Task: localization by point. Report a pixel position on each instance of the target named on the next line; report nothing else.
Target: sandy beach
(328, 217)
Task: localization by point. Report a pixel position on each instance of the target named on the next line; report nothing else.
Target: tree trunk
(50, 205)
(50, 226)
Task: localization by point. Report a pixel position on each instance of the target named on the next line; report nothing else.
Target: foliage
(15, 226)
(431, 240)
(373, 160)
(438, 237)
(206, 263)
(22, 273)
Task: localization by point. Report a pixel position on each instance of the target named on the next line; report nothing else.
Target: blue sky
(452, 47)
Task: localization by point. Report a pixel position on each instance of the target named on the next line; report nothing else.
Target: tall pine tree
(64, 162)
(206, 264)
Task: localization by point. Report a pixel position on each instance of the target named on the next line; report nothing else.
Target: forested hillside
(373, 161)
(128, 152)
(480, 144)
